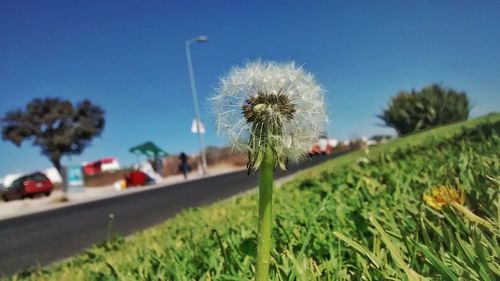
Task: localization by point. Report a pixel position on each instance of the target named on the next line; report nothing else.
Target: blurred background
(129, 58)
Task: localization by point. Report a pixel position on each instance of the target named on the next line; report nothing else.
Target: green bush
(432, 106)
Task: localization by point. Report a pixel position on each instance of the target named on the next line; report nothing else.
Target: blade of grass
(395, 253)
(358, 247)
(437, 263)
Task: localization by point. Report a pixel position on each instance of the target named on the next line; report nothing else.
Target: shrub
(432, 106)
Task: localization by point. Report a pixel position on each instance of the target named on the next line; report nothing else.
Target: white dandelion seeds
(275, 104)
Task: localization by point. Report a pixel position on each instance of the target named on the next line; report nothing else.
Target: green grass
(358, 217)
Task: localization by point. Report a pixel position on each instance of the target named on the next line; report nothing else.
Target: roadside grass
(358, 217)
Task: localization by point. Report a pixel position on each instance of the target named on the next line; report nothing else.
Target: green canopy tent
(148, 149)
(152, 152)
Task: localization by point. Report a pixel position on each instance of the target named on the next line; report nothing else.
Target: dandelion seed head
(270, 103)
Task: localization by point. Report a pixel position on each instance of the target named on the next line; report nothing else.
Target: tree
(432, 106)
(56, 126)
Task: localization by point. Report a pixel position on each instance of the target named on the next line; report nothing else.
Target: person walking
(184, 166)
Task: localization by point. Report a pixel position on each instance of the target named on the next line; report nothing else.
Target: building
(102, 165)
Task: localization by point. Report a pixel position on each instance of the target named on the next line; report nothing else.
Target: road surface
(51, 236)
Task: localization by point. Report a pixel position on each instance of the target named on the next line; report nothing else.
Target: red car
(28, 186)
(137, 178)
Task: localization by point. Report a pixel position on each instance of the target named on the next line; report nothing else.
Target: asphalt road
(51, 236)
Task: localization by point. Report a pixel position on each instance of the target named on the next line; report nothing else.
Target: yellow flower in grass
(454, 197)
(440, 196)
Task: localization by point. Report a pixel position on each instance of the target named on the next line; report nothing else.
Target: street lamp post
(199, 39)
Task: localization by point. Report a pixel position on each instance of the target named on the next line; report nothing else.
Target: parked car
(138, 178)
(28, 186)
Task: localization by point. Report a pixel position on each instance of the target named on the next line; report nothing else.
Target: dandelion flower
(274, 112)
(270, 103)
(440, 196)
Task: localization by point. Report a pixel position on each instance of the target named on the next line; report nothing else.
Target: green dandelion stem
(265, 215)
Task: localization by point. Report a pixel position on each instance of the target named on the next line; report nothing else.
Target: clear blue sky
(128, 57)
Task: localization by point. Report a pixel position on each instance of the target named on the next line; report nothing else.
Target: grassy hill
(361, 216)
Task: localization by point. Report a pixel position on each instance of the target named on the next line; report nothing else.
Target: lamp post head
(202, 38)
